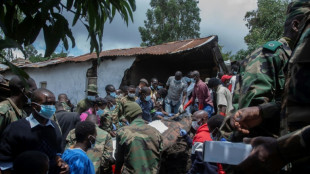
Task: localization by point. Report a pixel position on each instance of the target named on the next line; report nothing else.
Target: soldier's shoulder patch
(272, 45)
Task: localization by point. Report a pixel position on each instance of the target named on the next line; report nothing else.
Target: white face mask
(195, 125)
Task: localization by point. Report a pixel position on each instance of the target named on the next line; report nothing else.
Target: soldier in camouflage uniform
(113, 117)
(138, 146)
(63, 99)
(261, 80)
(11, 109)
(270, 154)
(101, 154)
(86, 103)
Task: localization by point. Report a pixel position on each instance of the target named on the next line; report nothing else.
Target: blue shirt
(78, 161)
(147, 107)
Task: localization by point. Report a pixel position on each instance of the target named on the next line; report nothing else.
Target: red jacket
(202, 134)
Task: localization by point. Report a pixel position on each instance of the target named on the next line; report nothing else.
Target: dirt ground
(176, 159)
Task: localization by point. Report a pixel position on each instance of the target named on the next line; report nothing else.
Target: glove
(188, 103)
(181, 110)
(114, 127)
(120, 123)
(183, 132)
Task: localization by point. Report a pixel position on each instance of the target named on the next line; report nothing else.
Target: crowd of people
(263, 101)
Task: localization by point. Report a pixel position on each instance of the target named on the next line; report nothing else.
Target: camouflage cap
(297, 7)
(92, 88)
(132, 109)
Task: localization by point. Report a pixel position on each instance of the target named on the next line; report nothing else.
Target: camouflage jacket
(83, 105)
(101, 154)
(110, 117)
(295, 146)
(261, 78)
(9, 113)
(297, 93)
(138, 148)
(66, 106)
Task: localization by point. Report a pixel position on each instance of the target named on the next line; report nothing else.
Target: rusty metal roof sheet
(163, 49)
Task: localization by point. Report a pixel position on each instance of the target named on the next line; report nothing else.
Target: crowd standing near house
(264, 101)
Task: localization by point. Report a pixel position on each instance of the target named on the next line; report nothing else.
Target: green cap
(132, 109)
(297, 7)
(92, 88)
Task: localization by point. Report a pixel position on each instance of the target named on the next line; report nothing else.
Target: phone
(225, 152)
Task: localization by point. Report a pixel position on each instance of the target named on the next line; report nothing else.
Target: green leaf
(69, 4)
(65, 41)
(77, 15)
(16, 70)
(9, 43)
(52, 39)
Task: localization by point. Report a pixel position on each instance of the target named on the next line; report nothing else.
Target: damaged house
(71, 75)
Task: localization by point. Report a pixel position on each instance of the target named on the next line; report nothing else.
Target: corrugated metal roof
(163, 49)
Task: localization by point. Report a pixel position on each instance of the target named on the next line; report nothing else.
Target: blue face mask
(112, 108)
(47, 111)
(91, 98)
(148, 98)
(100, 112)
(177, 81)
(113, 94)
(235, 72)
(131, 95)
(160, 87)
(188, 80)
(193, 80)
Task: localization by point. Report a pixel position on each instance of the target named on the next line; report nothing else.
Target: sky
(218, 17)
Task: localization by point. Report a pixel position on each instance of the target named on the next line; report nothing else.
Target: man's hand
(112, 133)
(64, 167)
(246, 118)
(264, 158)
(124, 120)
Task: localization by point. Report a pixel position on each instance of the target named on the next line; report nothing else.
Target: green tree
(170, 20)
(46, 15)
(266, 23)
(241, 54)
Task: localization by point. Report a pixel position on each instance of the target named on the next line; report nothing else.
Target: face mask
(235, 72)
(47, 111)
(131, 95)
(160, 101)
(28, 99)
(113, 94)
(91, 98)
(112, 108)
(148, 98)
(195, 125)
(177, 81)
(160, 87)
(100, 112)
(188, 80)
(193, 80)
